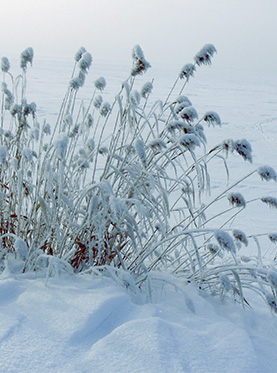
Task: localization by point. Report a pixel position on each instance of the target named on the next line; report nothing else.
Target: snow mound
(88, 324)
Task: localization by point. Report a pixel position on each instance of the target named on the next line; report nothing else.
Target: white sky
(243, 31)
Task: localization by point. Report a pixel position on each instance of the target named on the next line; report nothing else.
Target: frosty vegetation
(117, 187)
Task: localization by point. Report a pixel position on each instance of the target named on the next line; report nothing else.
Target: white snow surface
(91, 324)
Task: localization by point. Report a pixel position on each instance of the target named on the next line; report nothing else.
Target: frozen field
(90, 324)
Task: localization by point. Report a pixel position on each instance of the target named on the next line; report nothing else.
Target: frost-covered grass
(120, 187)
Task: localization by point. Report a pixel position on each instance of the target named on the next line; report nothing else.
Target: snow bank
(86, 324)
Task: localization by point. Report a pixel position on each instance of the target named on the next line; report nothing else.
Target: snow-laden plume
(243, 148)
(100, 83)
(225, 241)
(146, 89)
(157, 145)
(189, 141)
(89, 121)
(236, 199)
(240, 236)
(135, 98)
(85, 62)
(140, 149)
(79, 53)
(5, 64)
(105, 109)
(212, 117)
(98, 101)
(140, 65)
(76, 83)
(203, 57)
(61, 146)
(181, 103)
(270, 201)
(189, 114)
(26, 57)
(267, 173)
(187, 71)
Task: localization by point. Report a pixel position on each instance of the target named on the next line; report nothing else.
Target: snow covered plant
(120, 187)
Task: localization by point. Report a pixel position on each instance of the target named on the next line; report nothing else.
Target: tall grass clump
(119, 187)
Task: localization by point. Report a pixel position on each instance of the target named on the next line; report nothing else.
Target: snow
(87, 323)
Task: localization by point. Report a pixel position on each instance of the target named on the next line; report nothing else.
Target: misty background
(169, 31)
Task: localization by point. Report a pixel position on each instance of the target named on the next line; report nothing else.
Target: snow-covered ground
(90, 324)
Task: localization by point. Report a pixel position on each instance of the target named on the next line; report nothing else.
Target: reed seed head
(267, 173)
(5, 64)
(236, 199)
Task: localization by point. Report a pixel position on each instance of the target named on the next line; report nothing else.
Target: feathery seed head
(137, 53)
(61, 146)
(243, 148)
(46, 128)
(267, 173)
(85, 62)
(75, 130)
(240, 236)
(236, 199)
(82, 78)
(187, 71)
(189, 141)
(140, 64)
(5, 64)
(105, 109)
(89, 121)
(9, 98)
(182, 98)
(76, 83)
(26, 56)
(146, 89)
(27, 154)
(157, 145)
(203, 57)
(213, 248)
(98, 101)
(35, 134)
(79, 54)
(90, 144)
(174, 125)
(100, 83)
(189, 114)
(181, 105)
(135, 98)
(15, 109)
(270, 201)
(228, 145)
(140, 149)
(225, 241)
(68, 120)
(199, 129)
(212, 118)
